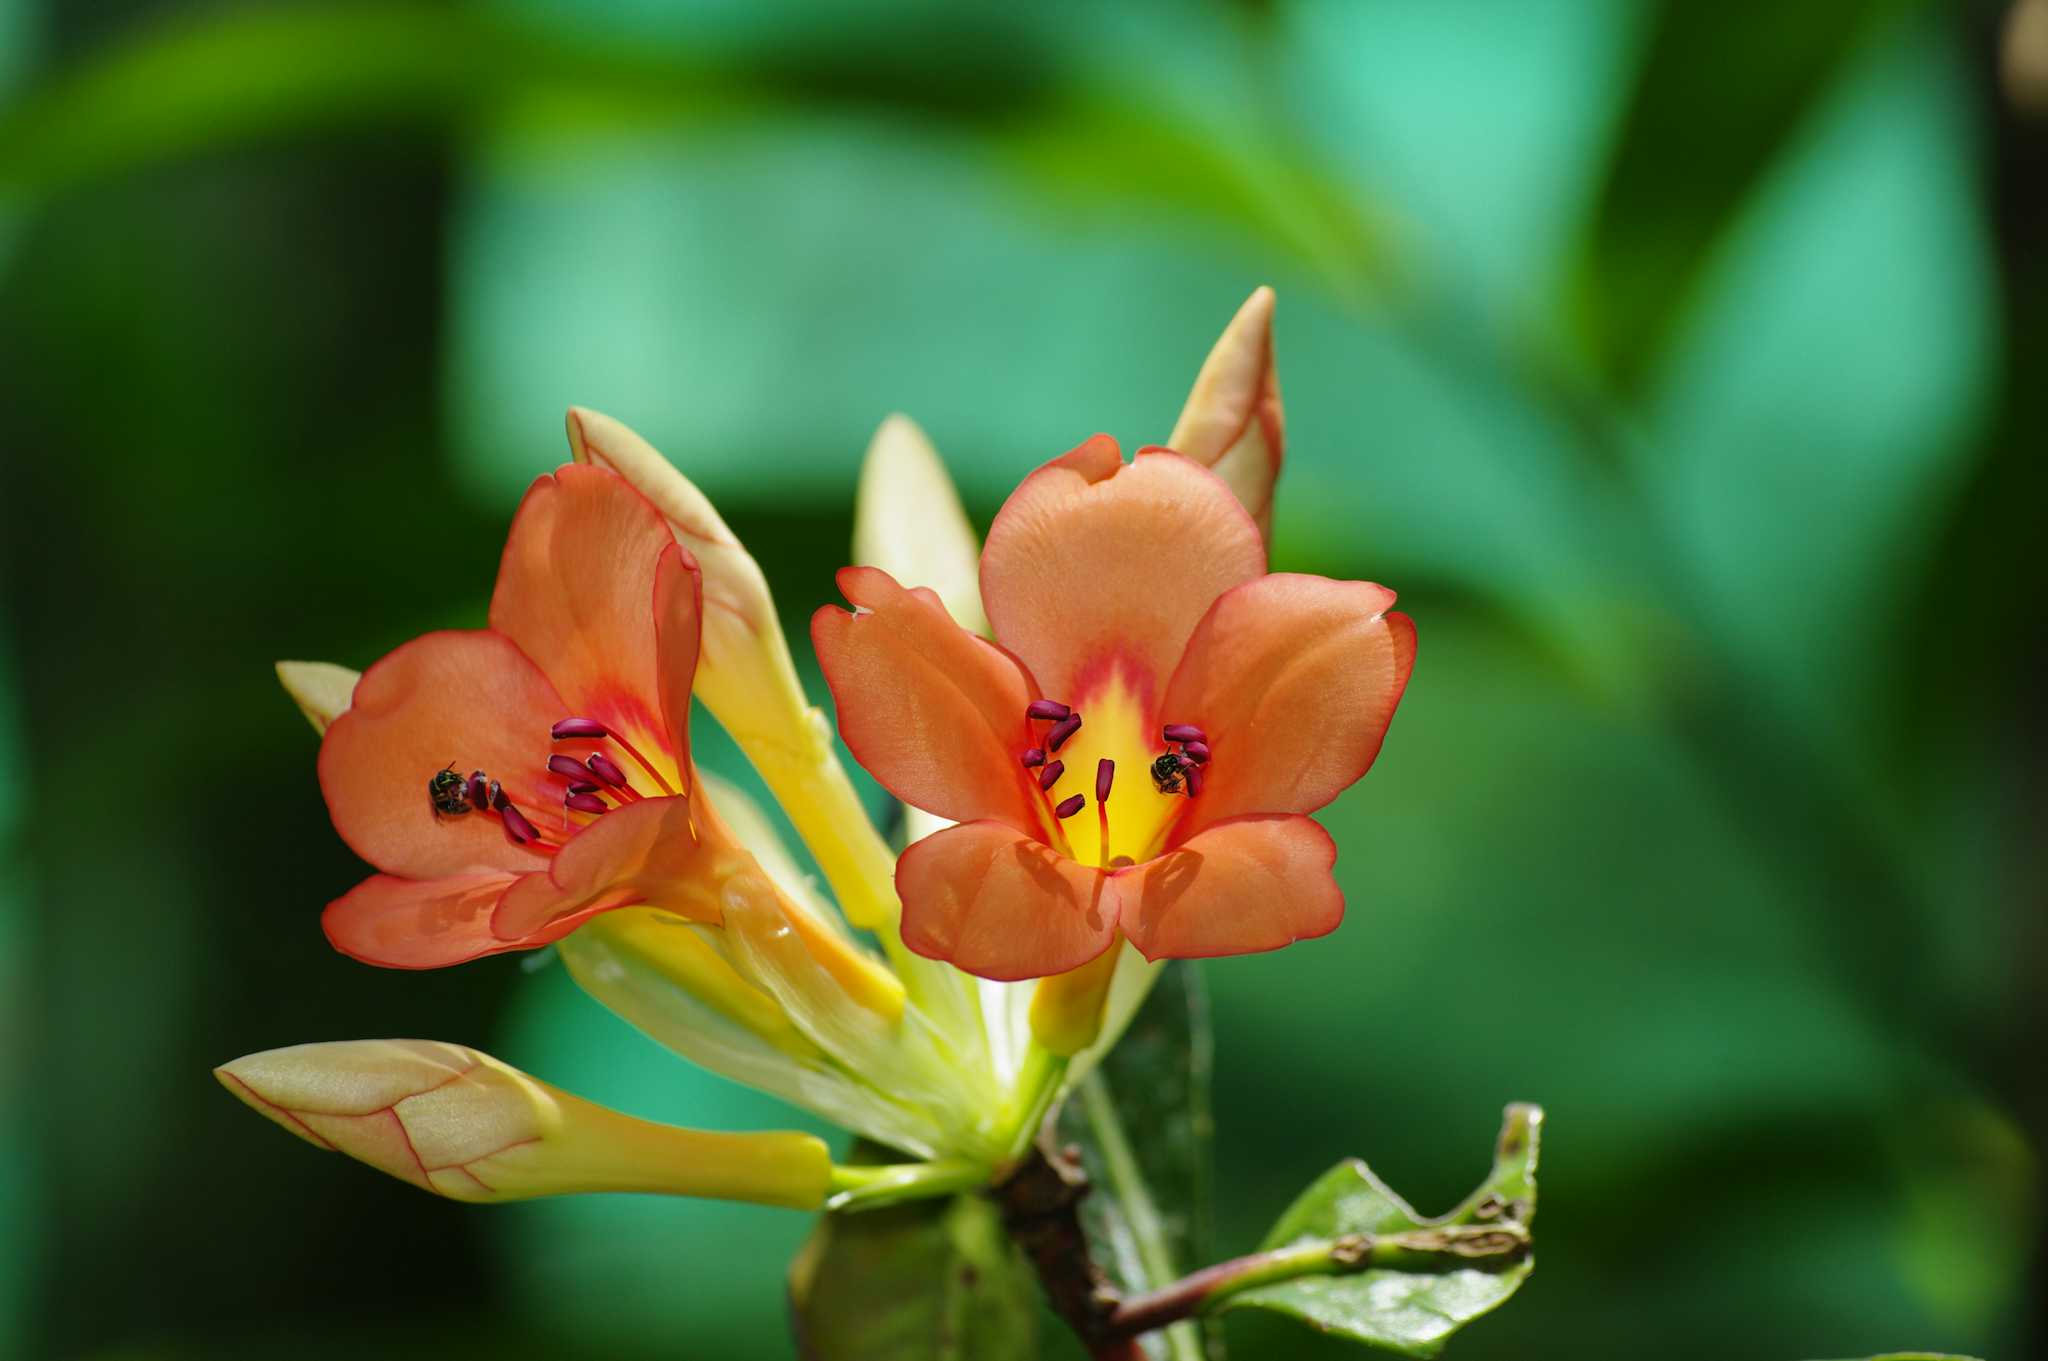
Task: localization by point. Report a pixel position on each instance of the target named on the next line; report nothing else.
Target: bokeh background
(1681, 365)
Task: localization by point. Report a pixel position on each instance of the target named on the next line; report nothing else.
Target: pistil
(1105, 776)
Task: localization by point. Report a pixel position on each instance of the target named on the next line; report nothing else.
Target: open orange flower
(513, 781)
(1139, 753)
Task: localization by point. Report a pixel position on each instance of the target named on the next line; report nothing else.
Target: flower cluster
(1109, 726)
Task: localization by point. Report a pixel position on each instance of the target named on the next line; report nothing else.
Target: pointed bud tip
(322, 690)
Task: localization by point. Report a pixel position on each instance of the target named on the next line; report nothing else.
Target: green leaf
(1143, 1126)
(1674, 187)
(1920, 1356)
(1420, 1298)
(934, 1280)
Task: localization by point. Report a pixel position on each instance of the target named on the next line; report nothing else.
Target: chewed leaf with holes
(1460, 1265)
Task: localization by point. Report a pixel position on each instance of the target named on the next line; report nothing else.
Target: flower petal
(1094, 566)
(1232, 423)
(463, 1125)
(994, 902)
(935, 713)
(1294, 679)
(467, 698)
(422, 923)
(576, 592)
(908, 521)
(747, 679)
(1249, 884)
(678, 621)
(644, 854)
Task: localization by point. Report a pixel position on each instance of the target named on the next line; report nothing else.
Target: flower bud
(1232, 422)
(908, 521)
(747, 680)
(463, 1125)
(322, 690)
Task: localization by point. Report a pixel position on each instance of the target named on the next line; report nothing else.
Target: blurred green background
(1681, 365)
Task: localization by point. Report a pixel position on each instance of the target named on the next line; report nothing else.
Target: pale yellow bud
(1232, 423)
(322, 690)
(463, 1125)
(908, 521)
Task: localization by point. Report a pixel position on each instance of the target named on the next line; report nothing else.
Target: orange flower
(1139, 753)
(513, 781)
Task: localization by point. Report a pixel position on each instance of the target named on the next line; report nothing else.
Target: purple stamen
(1184, 732)
(583, 787)
(479, 790)
(1070, 806)
(587, 803)
(498, 799)
(1193, 776)
(606, 769)
(1050, 776)
(1198, 752)
(517, 827)
(1061, 731)
(1105, 775)
(1046, 708)
(1033, 756)
(568, 767)
(578, 727)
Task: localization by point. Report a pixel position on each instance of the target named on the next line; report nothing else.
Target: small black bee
(449, 792)
(1170, 772)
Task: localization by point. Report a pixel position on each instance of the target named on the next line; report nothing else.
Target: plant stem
(1120, 1168)
(1038, 1083)
(1201, 1291)
(858, 1187)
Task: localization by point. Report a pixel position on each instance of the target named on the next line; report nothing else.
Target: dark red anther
(1193, 776)
(587, 803)
(1046, 708)
(583, 787)
(479, 790)
(606, 769)
(517, 827)
(1070, 806)
(498, 799)
(1061, 731)
(568, 767)
(578, 727)
(1184, 732)
(1198, 752)
(1105, 775)
(1050, 776)
(1033, 756)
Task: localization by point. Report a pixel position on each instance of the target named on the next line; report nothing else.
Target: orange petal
(933, 712)
(1249, 884)
(576, 592)
(989, 900)
(421, 923)
(467, 698)
(1094, 566)
(1294, 680)
(1232, 423)
(646, 853)
(678, 627)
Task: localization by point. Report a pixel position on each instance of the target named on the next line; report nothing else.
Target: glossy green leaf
(1143, 1125)
(1413, 1305)
(933, 1280)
